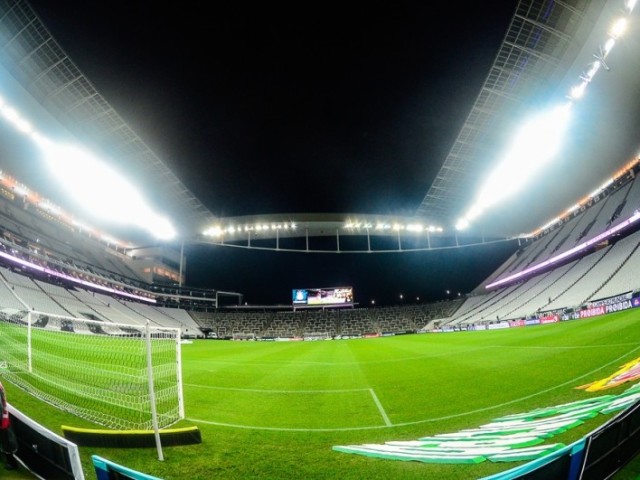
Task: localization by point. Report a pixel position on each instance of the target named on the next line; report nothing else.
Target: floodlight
(102, 191)
(608, 46)
(595, 66)
(618, 28)
(462, 224)
(536, 144)
(573, 208)
(474, 212)
(577, 92)
(94, 185)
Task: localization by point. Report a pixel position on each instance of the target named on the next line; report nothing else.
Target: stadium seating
(39, 238)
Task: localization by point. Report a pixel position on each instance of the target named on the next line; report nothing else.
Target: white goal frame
(21, 370)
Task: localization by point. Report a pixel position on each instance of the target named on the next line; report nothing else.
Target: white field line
(376, 400)
(560, 347)
(260, 390)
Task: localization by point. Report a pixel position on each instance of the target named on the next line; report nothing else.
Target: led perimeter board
(323, 296)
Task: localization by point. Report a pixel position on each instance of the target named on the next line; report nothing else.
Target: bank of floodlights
(510, 173)
(218, 231)
(90, 181)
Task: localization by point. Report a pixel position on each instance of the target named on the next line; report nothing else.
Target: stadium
(115, 367)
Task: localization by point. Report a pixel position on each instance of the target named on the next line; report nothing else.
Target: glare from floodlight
(536, 143)
(92, 183)
(101, 191)
(595, 66)
(474, 212)
(631, 5)
(608, 46)
(462, 224)
(577, 92)
(618, 28)
(573, 208)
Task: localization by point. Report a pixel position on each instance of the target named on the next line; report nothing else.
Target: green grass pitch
(275, 410)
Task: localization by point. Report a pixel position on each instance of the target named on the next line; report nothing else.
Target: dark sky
(282, 107)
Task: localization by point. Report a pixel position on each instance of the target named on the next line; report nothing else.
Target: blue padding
(514, 473)
(103, 468)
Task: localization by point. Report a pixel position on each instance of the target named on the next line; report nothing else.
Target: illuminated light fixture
(91, 183)
(523, 159)
(213, 231)
(618, 28)
(574, 208)
(462, 224)
(552, 222)
(474, 212)
(54, 210)
(578, 91)
(294, 226)
(20, 190)
(601, 188)
(10, 114)
(608, 46)
(595, 66)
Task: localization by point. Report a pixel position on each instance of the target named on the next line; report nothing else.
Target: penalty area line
(266, 390)
(376, 400)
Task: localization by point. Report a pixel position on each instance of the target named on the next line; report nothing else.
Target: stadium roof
(546, 47)
(539, 47)
(43, 68)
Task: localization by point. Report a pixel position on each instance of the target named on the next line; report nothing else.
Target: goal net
(244, 336)
(316, 336)
(114, 375)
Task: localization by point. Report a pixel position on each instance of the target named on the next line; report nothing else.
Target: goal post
(114, 375)
(310, 336)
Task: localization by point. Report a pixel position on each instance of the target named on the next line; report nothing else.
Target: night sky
(282, 107)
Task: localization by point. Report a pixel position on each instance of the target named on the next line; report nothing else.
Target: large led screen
(322, 296)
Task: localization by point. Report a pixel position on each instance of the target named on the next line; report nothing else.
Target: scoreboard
(323, 296)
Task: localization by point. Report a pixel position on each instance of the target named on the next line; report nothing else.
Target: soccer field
(276, 409)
